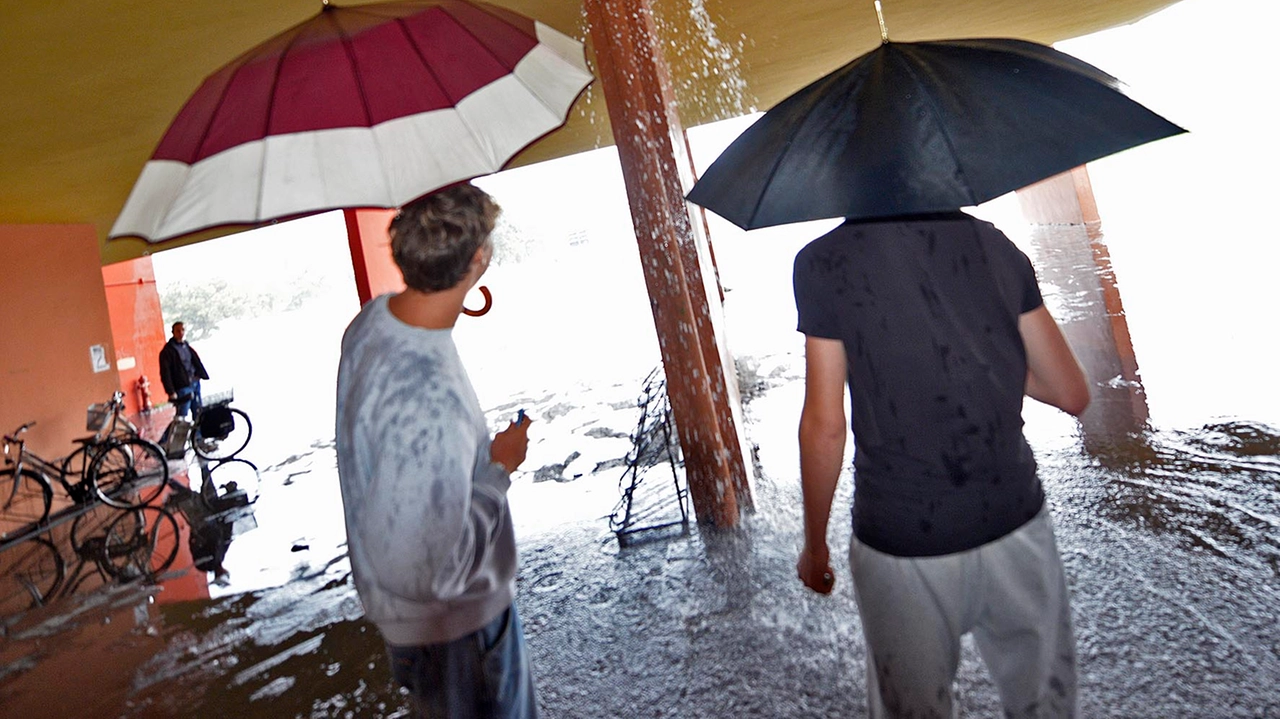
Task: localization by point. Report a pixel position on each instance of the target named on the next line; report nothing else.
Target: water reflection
(1217, 487)
(1081, 291)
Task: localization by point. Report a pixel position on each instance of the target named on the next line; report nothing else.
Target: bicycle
(141, 543)
(126, 473)
(219, 431)
(113, 546)
(106, 420)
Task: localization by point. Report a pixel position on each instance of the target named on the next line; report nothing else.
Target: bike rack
(646, 508)
(57, 518)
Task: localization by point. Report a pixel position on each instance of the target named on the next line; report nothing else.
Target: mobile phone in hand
(520, 416)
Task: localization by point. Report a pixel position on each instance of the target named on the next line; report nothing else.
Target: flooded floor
(1171, 541)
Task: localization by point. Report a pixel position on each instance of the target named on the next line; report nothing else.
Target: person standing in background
(181, 371)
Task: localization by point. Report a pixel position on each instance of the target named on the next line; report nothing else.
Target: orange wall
(137, 327)
(54, 310)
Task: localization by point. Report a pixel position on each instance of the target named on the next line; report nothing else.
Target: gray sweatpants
(1011, 593)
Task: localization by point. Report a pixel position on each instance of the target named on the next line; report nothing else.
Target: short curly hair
(434, 237)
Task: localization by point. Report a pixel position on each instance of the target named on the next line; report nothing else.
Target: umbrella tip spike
(884, 32)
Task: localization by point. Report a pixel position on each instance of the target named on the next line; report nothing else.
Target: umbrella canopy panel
(368, 106)
(924, 127)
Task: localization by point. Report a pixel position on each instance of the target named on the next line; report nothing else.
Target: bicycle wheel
(141, 543)
(224, 446)
(29, 575)
(129, 473)
(77, 463)
(24, 501)
(89, 528)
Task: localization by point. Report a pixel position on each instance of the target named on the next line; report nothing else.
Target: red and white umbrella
(363, 106)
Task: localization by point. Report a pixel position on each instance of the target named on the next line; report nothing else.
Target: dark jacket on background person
(172, 374)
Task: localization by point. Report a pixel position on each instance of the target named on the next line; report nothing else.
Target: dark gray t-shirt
(927, 309)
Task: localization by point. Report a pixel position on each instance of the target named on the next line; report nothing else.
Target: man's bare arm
(823, 430)
(1054, 375)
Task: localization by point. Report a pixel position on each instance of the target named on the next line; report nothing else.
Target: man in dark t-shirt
(936, 325)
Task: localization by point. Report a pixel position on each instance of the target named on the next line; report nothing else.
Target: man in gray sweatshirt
(423, 485)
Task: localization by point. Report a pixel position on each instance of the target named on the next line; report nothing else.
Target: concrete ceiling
(88, 88)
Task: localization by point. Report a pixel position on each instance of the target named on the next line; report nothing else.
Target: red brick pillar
(376, 273)
(675, 255)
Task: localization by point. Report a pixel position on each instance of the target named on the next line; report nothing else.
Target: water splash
(702, 60)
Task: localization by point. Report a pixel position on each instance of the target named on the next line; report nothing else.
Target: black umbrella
(915, 127)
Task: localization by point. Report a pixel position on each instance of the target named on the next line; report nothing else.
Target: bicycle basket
(216, 422)
(217, 398)
(97, 416)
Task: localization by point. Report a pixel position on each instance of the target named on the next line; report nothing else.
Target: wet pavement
(1170, 541)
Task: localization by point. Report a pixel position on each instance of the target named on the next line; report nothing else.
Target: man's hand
(814, 569)
(511, 444)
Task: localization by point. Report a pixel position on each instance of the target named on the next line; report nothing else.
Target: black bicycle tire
(80, 456)
(223, 454)
(85, 452)
(127, 544)
(220, 486)
(46, 491)
(78, 528)
(32, 594)
(109, 487)
(75, 470)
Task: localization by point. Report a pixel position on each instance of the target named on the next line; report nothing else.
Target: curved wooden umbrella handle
(488, 304)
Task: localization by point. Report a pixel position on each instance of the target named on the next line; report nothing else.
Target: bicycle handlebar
(20, 430)
(14, 437)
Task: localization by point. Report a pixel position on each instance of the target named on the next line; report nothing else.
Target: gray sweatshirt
(428, 528)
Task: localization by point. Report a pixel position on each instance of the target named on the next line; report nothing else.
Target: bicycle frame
(18, 460)
(115, 422)
(44, 469)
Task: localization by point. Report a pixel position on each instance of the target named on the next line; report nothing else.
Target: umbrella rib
(271, 106)
(942, 128)
(346, 43)
(510, 70)
(453, 104)
(477, 38)
(768, 181)
(430, 70)
(235, 66)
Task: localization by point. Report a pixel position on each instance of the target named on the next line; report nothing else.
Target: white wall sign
(98, 356)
